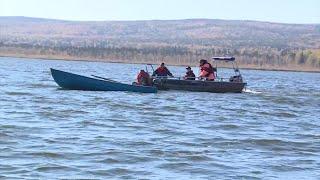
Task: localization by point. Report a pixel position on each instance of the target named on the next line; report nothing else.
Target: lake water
(271, 131)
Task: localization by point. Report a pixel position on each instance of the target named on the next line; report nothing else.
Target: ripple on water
(18, 93)
(44, 154)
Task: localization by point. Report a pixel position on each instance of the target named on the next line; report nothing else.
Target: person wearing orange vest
(143, 78)
(206, 70)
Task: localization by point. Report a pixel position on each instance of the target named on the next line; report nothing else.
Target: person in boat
(189, 74)
(143, 78)
(162, 71)
(206, 70)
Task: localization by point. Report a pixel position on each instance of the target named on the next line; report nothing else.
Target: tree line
(262, 57)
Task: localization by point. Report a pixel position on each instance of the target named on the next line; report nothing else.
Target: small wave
(38, 85)
(198, 158)
(229, 126)
(109, 161)
(47, 154)
(284, 168)
(277, 144)
(115, 171)
(19, 93)
(4, 135)
(174, 165)
(53, 167)
(285, 114)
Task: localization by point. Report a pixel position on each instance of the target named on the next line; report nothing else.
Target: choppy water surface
(271, 131)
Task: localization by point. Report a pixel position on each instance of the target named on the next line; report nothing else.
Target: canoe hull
(200, 86)
(72, 81)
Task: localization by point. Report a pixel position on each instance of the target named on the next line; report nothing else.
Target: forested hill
(257, 44)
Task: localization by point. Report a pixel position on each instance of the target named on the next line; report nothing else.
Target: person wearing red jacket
(162, 71)
(143, 78)
(206, 70)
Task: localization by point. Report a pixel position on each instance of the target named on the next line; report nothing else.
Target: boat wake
(251, 91)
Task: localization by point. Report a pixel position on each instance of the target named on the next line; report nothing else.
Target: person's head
(188, 68)
(202, 62)
(142, 71)
(162, 65)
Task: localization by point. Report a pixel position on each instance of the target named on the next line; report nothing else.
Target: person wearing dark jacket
(162, 71)
(189, 74)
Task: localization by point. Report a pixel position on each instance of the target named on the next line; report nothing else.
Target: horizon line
(248, 20)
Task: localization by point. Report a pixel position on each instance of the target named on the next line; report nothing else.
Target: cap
(202, 60)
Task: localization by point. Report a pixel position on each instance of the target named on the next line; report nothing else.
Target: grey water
(271, 131)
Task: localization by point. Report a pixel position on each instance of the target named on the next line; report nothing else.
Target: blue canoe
(72, 81)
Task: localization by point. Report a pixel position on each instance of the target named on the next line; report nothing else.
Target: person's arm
(169, 73)
(203, 73)
(139, 79)
(185, 76)
(154, 72)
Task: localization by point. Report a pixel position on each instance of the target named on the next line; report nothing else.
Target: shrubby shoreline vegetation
(258, 45)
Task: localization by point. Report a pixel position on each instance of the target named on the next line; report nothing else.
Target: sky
(284, 11)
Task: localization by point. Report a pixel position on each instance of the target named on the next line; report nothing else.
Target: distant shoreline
(256, 45)
(241, 66)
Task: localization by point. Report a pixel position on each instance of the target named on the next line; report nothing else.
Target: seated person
(206, 70)
(162, 71)
(189, 74)
(143, 78)
(235, 78)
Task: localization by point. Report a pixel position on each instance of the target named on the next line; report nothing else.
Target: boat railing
(219, 79)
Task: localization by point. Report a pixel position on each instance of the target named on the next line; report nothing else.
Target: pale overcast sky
(286, 11)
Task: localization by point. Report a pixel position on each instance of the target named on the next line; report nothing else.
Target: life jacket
(206, 70)
(162, 71)
(207, 67)
(142, 78)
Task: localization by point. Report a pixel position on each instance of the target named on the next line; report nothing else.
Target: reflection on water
(269, 131)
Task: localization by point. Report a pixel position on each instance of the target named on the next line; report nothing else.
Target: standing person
(189, 74)
(162, 71)
(206, 70)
